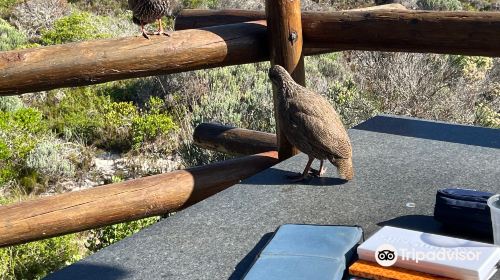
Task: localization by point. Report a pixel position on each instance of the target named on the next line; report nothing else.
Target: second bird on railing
(312, 125)
(149, 11)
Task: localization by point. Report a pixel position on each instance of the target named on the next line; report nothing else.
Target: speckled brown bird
(312, 125)
(149, 11)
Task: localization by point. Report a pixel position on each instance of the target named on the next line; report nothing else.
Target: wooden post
(286, 40)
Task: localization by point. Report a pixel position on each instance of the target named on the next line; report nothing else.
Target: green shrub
(7, 172)
(10, 38)
(116, 132)
(90, 115)
(79, 26)
(486, 116)
(37, 259)
(237, 95)
(472, 67)
(10, 103)
(51, 158)
(19, 127)
(75, 114)
(329, 75)
(33, 16)
(103, 237)
(440, 5)
(151, 124)
(19, 134)
(82, 26)
(101, 7)
(193, 4)
(6, 6)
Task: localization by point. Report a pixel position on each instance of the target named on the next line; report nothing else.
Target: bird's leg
(321, 171)
(305, 174)
(334, 162)
(144, 33)
(160, 29)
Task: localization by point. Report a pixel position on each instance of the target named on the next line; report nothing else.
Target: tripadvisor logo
(386, 255)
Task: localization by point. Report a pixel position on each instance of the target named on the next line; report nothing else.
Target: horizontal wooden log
(389, 29)
(467, 33)
(387, 7)
(126, 201)
(231, 140)
(92, 62)
(200, 18)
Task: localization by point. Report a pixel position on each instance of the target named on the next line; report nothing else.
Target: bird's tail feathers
(345, 167)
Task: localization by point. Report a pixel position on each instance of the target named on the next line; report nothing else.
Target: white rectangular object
(435, 254)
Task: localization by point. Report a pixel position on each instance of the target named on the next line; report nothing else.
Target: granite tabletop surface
(399, 162)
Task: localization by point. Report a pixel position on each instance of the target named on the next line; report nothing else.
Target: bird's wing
(321, 125)
(131, 4)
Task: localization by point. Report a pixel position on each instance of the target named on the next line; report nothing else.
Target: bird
(310, 123)
(148, 11)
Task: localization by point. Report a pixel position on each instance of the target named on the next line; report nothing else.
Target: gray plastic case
(306, 252)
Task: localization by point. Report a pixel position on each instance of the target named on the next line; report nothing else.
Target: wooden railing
(130, 200)
(85, 63)
(221, 39)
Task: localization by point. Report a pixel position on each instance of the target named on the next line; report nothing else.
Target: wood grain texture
(468, 33)
(200, 18)
(93, 62)
(284, 24)
(383, 29)
(126, 201)
(232, 140)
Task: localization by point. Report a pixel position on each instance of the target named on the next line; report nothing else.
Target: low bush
(19, 134)
(103, 237)
(90, 115)
(440, 5)
(35, 260)
(79, 26)
(10, 37)
(196, 4)
(101, 7)
(52, 159)
(33, 16)
(151, 124)
(237, 95)
(486, 116)
(6, 7)
(10, 103)
(474, 68)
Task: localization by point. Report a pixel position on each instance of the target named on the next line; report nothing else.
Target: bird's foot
(145, 35)
(297, 177)
(318, 173)
(162, 33)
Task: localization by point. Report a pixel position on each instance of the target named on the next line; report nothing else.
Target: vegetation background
(76, 138)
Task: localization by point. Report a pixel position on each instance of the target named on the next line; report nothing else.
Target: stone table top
(397, 161)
